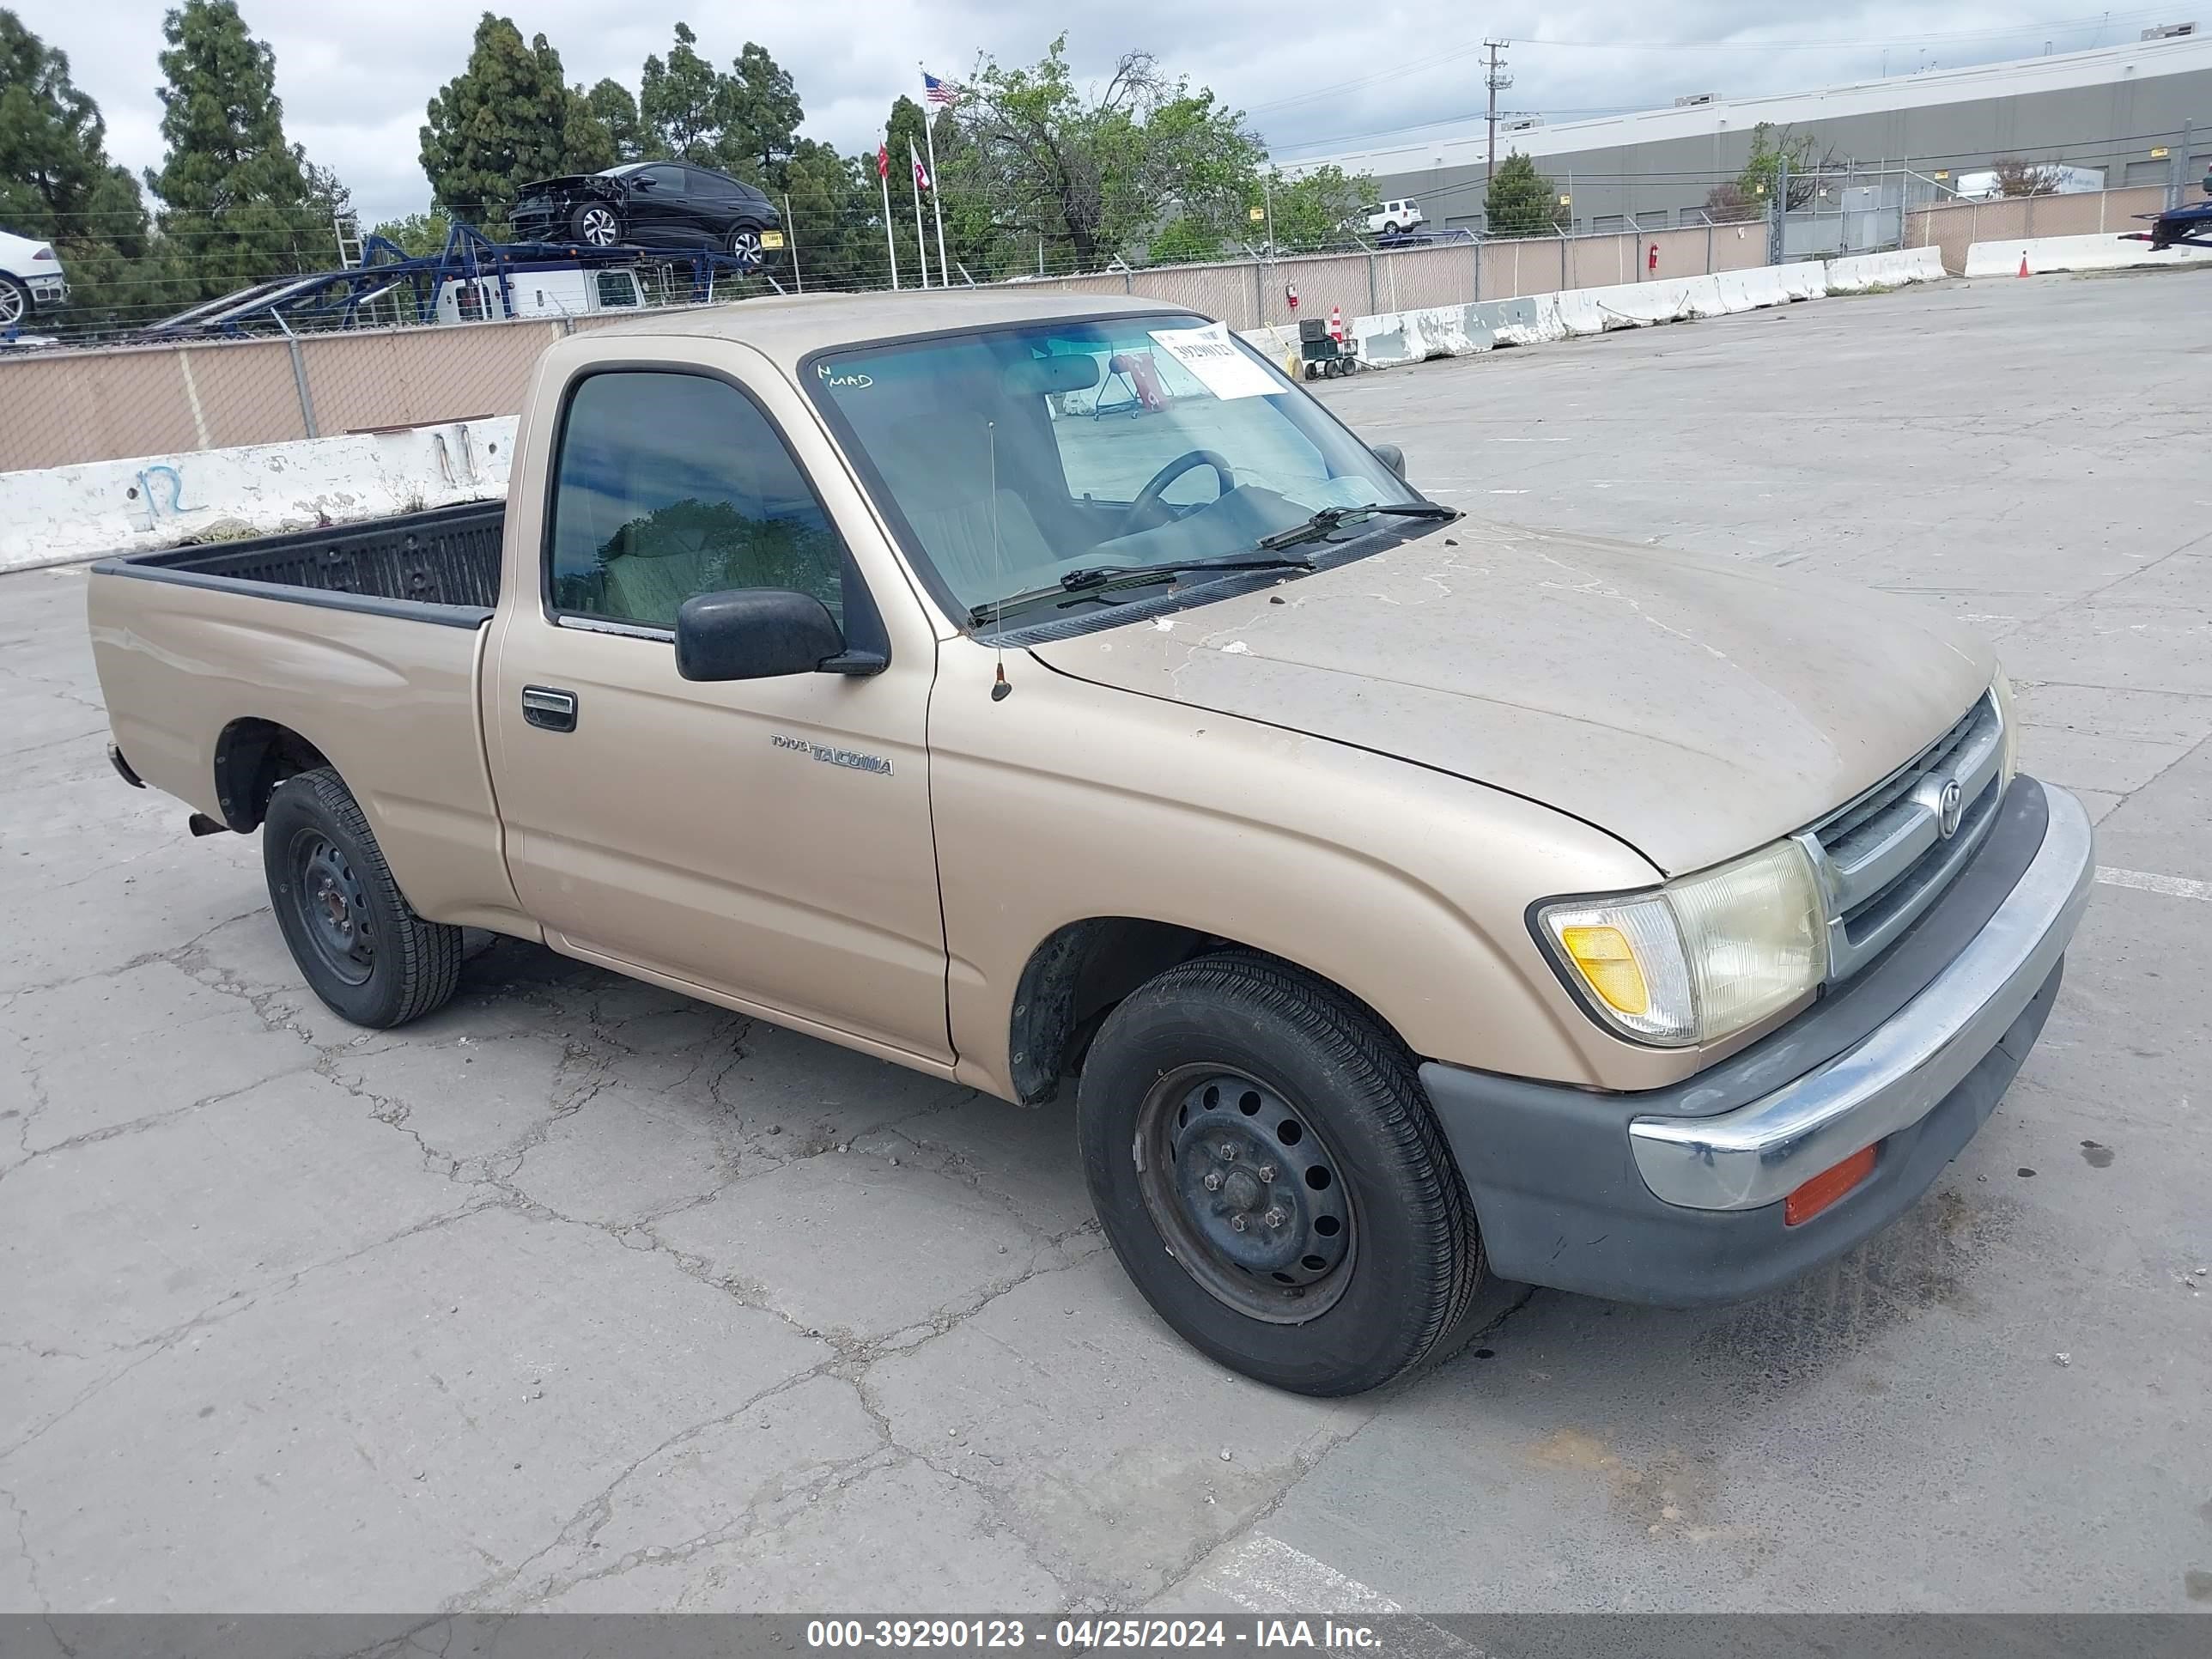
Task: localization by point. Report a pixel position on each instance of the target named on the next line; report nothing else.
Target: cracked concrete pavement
(579, 1295)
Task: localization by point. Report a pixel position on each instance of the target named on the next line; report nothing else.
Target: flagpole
(890, 240)
(921, 242)
(936, 192)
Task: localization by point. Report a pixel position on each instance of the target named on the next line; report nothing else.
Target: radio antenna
(999, 686)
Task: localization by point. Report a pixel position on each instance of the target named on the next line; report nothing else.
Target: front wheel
(597, 223)
(1265, 1165)
(359, 945)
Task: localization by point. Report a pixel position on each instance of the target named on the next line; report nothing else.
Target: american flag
(937, 91)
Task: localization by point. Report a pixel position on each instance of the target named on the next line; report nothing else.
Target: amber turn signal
(1826, 1188)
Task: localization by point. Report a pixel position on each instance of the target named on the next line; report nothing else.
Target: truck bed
(437, 566)
(357, 644)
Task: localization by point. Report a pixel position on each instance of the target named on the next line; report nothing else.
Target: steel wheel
(746, 245)
(14, 302)
(1246, 1193)
(598, 226)
(333, 907)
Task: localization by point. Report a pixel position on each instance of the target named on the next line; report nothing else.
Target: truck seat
(940, 468)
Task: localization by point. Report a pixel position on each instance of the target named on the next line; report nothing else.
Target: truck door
(766, 840)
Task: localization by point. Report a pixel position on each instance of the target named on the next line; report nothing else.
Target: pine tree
(610, 101)
(1520, 201)
(761, 113)
(57, 183)
(238, 204)
(508, 119)
(682, 103)
(835, 226)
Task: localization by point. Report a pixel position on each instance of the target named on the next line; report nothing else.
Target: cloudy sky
(354, 79)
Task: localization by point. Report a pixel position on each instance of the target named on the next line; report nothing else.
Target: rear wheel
(597, 223)
(14, 302)
(746, 245)
(360, 946)
(1267, 1169)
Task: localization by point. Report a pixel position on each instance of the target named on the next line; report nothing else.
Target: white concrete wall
(1865, 273)
(1410, 337)
(2050, 253)
(58, 515)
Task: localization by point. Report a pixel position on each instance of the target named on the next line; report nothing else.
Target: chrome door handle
(549, 708)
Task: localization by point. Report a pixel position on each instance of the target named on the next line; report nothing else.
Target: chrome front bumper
(1758, 1154)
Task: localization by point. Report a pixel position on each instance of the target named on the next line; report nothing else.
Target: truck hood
(1694, 708)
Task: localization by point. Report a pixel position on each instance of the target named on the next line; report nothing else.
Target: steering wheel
(1148, 498)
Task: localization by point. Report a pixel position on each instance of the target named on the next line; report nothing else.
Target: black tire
(360, 946)
(596, 224)
(1390, 229)
(1404, 1259)
(14, 302)
(745, 245)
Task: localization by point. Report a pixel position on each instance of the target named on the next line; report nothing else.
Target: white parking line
(1269, 1575)
(2143, 881)
(1265, 1575)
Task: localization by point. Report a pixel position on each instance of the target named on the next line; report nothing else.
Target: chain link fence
(1955, 226)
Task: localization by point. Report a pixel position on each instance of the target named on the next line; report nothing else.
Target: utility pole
(1497, 81)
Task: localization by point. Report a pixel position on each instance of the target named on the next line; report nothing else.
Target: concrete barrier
(2045, 254)
(1414, 336)
(1870, 273)
(62, 515)
(1526, 321)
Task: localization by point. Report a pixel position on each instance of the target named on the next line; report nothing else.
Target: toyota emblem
(1950, 807)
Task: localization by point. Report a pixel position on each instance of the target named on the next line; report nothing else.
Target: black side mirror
(1391, 456)
(756, 634)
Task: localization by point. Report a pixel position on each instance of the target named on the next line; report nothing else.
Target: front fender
(1405, 886)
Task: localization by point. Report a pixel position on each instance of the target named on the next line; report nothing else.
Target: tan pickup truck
(1039, 690)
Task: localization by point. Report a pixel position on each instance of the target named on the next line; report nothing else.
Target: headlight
(1700, 957)
(2009, 734)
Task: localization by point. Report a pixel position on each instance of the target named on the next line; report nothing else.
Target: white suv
(1392, 217)
(31, 279)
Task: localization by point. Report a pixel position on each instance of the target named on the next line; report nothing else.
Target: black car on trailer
(647, 205)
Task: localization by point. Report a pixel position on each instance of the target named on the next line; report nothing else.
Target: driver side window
(669, 485)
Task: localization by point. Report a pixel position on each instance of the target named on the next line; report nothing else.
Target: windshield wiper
(1330, 517)
(1087, 580)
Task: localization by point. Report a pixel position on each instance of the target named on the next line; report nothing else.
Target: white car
(31, 279)
(1391, 217)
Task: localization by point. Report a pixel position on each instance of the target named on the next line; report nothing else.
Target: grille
(1884, 858)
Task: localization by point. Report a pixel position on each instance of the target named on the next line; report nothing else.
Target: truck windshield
(1005, 459)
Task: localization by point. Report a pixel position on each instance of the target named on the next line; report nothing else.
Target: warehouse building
(2136, 114)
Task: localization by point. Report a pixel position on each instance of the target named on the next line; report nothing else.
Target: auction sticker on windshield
(1215, 359)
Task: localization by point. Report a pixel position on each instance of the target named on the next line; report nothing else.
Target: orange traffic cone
(2023, 262)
